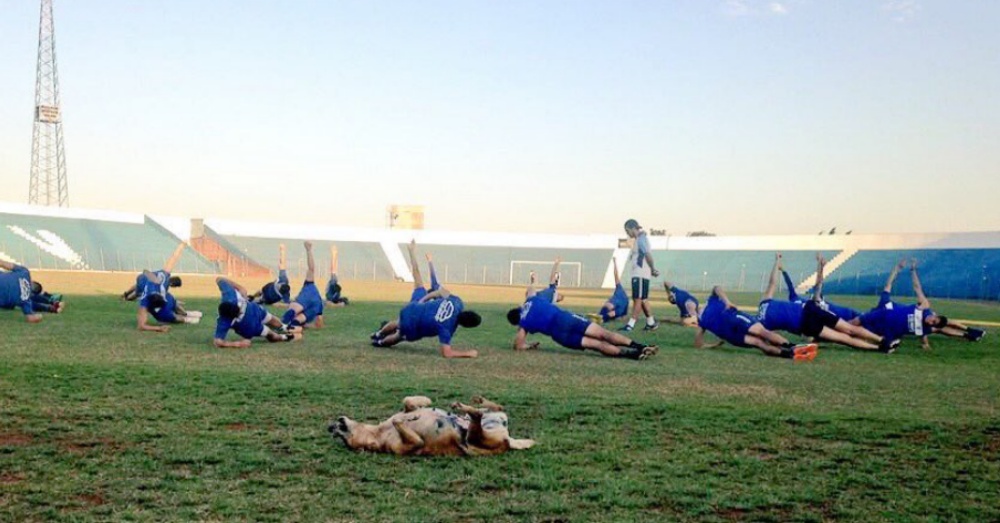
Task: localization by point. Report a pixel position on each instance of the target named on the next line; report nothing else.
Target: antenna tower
(48, 158)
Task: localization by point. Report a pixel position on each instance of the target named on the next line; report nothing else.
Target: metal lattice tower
(48, 158)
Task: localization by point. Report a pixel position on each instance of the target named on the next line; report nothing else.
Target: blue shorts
(568, 330)
(310, 300)
(548, 294)
(734, 327)
(418, 294)
(166, 313)
(409, 319)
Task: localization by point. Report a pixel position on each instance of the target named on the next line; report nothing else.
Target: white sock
(194, 320)
(650, 321)
(631, 322)
(196, 314)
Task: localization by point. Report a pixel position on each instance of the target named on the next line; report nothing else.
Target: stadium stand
(952, 265)
(97, 241)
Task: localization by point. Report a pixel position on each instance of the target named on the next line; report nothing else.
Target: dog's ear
(521, 444)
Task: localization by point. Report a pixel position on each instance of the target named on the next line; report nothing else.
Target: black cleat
(975, 334)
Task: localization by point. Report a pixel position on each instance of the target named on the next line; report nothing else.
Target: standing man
(641, 263)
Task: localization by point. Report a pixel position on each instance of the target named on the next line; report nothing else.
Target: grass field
(99, 422)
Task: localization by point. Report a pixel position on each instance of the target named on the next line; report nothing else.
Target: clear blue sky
(560, 116)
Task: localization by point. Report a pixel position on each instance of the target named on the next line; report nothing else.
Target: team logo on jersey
(445, 311)
(524, 309)
(25, 289)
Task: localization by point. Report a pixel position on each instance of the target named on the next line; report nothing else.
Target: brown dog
(424, 431)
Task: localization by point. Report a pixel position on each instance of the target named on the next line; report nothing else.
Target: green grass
(99, 422)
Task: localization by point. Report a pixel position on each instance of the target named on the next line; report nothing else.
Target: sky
(563, 116)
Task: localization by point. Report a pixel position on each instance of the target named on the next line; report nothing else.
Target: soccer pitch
(99, 422)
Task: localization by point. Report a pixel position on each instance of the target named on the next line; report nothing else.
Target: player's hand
(164, 328)
(413, 245)
(429, 257)
(901, 264)
(33, 318)
(534, 345)
(307, 244)
(655, 272)
(913, 264)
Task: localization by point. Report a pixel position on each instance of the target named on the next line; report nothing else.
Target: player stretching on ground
(810, 319)
(722, 318)
(844, 313)
(435, 313)
(686, 303)
(539, 315)
(15, 290)
(642, 270)
(247, 318)
(307, 309)
(334, 298)
(895, 320)
(617, 304)
(278, 290)
(152, 289)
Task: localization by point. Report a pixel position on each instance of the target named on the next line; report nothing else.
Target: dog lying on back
(424, 431)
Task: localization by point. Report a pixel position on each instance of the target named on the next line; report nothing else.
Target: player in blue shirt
(307, 309)
(686, 303)
(434, 313)
(15, 290)
(539, 315)
(845, 313)
(810, 319)
(278, 290)
(43, 301)
(895, 320)
(152, 290)
(334, 296)
(247, 319)
(617, 304)
(723, 319)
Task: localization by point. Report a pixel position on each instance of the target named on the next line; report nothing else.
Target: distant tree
(700, 233)
(657, 232)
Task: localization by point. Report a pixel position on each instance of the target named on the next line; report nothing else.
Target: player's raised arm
(418, 280)
(922, 300)
(333, 260)
(614, 264)
(239, 288)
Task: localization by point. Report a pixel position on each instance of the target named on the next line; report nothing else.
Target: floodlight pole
(48, 156)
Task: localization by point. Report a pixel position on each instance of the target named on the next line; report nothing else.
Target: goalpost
(520, 270)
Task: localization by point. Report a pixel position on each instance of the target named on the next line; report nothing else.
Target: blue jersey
(728, 324)
(286, 296)
(431, 318)
(310, 300)
(147, 287)
(15, 290)
(781, 315)
(681, 297)
(894, 320)
(619, 300)
(166, 313)
(249, 323)
(844, 313)
(539, 315)
(333, 289)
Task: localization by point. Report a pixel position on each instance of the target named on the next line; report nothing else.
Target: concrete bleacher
(736, 270)
(357, 260)
(43, 238)
(944, 273)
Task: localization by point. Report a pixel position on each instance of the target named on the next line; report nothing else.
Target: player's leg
(430, 268)
(758, 330)
(310, 262)
(418, 281)
(857, 331)
(836, 336)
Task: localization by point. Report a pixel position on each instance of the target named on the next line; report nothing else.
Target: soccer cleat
(975, 334)
(195, 314)
(626, 328)
(596, 318)
(377, 342)
(377, 335)
(805, 352)
(558, 278)
(647, 351)
(887, 346)
(652, 327)
(193, 320)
